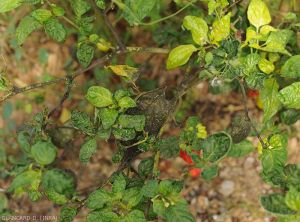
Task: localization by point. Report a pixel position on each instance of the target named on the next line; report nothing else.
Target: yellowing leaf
(123, 70)
(258, 13)
(201, 131)
(266, 66)
(250, 35)
(270, 98)
(180, 55)
(65, 115)
(220, 29)
(266, 29)
(198, 28)
(103, 45)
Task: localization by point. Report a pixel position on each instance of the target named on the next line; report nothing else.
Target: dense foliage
(231, 44)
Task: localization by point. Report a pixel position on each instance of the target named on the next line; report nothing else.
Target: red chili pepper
(195, 172)
(183, 154)
(253, 93)
(187, 158)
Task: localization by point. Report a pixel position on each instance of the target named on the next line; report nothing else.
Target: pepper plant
(232, 45)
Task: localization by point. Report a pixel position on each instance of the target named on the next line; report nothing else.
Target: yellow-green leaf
(180, 55)
(266, 29)
(258, 13)
(198, 28)
(123, 70)
(270, 98)
(99, 96)
(7, 5)
(266, 66)
(220, 29)
(290, 96)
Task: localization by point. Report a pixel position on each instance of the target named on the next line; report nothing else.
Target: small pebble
(226, 188)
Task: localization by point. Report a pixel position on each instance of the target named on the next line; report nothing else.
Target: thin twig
(98, 62)
(69, 84)
(247, 113)
(113, 31)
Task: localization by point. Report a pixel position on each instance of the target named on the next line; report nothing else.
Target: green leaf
(290, 96)
(61, 181)
(56, 197)
(159, 208)
(3, 202)
(209, 172)
(87, 150)
(169, 147)
(241, 149)
(150, 189)
(277, 42)
(179, 212)
(32, 2)
(27, 25)
(134, 11)
(80, 7)
(67, 214)
(41, 15)
(290, 116)
(275, 203)
(34, 195)
(213, 5)
(55, 30)
(292, 199)
(124, 134)
(119, 184)
(275, 156)
(132, 197)
(258, 13)
(270, 98)
(292, 174)
(220, 29)
(8, 5)
(108, 117)
(57, 11)
(290, 218)
(82, 121)
(98, 199)
(198, 28)
(136, 122)
(146, 167)
(85, 54)
(291, 68)
(104, 134)
(102, 216)
(43, 152)
(126, 102)
(24, 141)
(180, 56)
(26, 180)
(216, 146)
(266, 66)
(134, 216)
(99, 96)
(100, 4)
(119, 94)
(256, 80)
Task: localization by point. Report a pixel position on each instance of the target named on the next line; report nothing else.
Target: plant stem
(70, 22)
(167, 17)
(99, 62)
(247, 114)
(156, 163)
